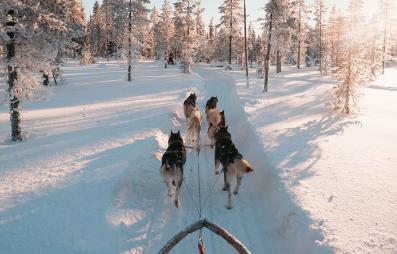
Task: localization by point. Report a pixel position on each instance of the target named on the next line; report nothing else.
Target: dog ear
(179, 132)
(226, 127)
(171, 132)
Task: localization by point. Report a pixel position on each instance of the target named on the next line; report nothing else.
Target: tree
(387, 8)
(251, 41)
(231, 19)
(300, 19)
(276, 27)
(35, 35)
(186, 29)
(319, 13)
(354, 68)
(164, 30)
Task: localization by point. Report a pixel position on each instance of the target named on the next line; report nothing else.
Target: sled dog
(227, 155)
(172, 164)
(214, 120)
(211, 103)
(189, 105)
(194, 126)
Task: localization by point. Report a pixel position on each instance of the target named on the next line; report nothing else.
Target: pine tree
(300, 19)
(231, 20)
(387, 8)
(251, 40)
(276, 27)
(186, 30)
(332, 35)
(354, 68)
(164, 31)
(320, 10)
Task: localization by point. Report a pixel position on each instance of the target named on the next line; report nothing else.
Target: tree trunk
(245, 46)
(129, 40)
(231, 32)
(267, 56)
(278, 61)
(384, 40)
(321, 39)
(298, 64)
(15, 120)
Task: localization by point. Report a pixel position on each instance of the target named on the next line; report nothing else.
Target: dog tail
(248, 168)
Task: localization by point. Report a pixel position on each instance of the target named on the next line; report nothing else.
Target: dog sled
(199, 225)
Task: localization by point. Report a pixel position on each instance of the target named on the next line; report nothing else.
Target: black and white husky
(227, 155)
(172, 164)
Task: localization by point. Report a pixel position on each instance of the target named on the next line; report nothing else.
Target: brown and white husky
(194, 126)
(233, 163)
(189, 105)
(215, 120)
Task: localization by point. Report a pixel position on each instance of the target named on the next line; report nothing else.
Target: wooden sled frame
(233, 241)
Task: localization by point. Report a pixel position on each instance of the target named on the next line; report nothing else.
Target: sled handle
(232, 240)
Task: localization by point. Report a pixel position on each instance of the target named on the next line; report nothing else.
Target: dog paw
(217, 172)
(229, 207)
(177, 204)
(235, 192)
(224, 189)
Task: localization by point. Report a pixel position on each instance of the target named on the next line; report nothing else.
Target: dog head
(192, 97)
(222, 133)
(175, 137)
(211, 103)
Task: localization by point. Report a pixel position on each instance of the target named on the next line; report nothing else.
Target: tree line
(36, 36)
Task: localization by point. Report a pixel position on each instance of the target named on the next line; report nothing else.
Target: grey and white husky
(227, 155)
(172, 164)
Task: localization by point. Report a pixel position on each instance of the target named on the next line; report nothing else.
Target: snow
(86, 180)
(341, 170)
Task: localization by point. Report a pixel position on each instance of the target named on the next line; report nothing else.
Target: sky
(254, 8)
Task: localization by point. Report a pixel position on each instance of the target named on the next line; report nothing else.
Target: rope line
(212, 189)
(191, 197)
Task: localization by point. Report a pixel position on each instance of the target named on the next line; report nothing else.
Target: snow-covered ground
(87, 179)
(341, 170)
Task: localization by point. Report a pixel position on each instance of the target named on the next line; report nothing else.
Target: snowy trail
(264, 216)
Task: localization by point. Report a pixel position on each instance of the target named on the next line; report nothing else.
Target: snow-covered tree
(320, 10)
(210, 42)
(354, 68)
(300, 29)
(277, 29)
(35, 34)
(251, 41)
(387, 8)
(186, 30)
(164, 31)
(231, 21)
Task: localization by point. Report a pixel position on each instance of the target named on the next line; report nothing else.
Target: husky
(189, 105)
(211, 103)
(233, 163)
(172, 164)
(214, 119)
(194, 126)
